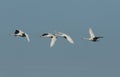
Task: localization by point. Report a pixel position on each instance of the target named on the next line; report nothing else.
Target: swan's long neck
(12, 34)
(86, 38)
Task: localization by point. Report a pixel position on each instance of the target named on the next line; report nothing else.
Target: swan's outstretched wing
(53, 40)
(91, 33)
(67, 37)
(27, 37)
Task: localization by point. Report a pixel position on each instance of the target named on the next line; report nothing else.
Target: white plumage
(67, 37)
(92, 36)
(52, 36)
(20, 33)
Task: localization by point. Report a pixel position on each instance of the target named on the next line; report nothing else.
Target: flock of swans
(53, 37)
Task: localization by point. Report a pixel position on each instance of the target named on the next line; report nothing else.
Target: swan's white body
(21, 34)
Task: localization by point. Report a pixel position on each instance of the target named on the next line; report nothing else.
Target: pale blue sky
(18, 58)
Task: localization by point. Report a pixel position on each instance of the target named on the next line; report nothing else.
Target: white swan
(67, 37)
(92, 36)
(21, 34)
(52, 36)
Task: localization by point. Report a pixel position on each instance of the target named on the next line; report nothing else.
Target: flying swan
(92, 36)
(20, 33)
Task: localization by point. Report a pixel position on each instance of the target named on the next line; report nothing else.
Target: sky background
(18, 58)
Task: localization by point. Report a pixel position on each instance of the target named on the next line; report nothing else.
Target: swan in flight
(20, 33)
(52, 36)
(92, 36)
(67, 37)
